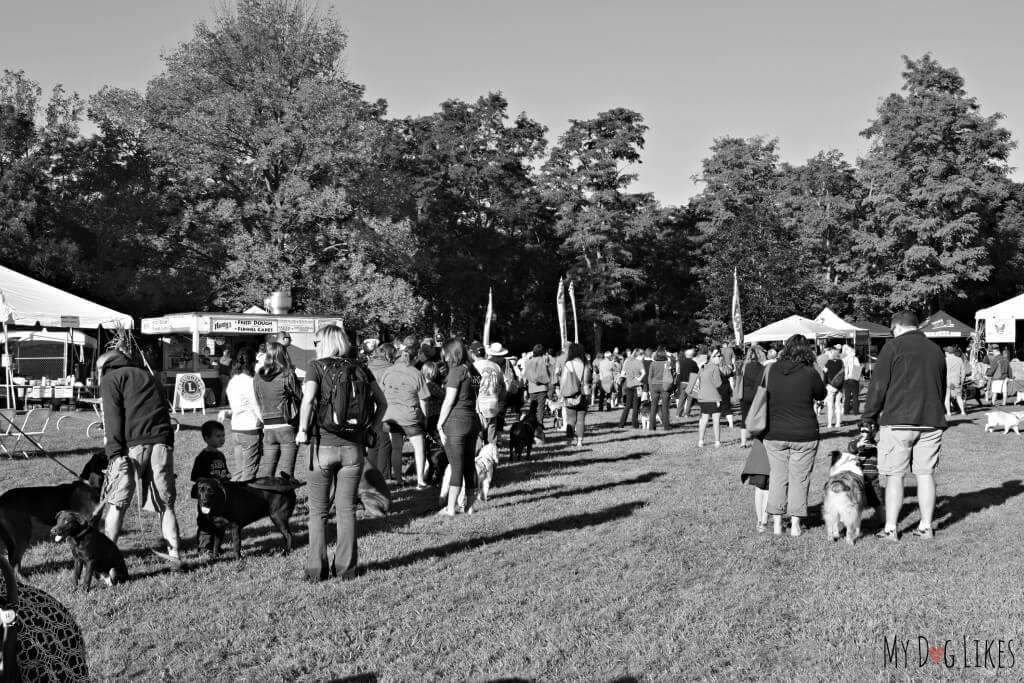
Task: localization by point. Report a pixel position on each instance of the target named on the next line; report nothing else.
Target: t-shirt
(315, 373)
(403, 387)
(833, 367)
(631, 371)
(466, 381)
(210, 464)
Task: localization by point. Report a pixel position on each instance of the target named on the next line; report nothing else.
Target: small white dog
(997, 418)
(486, 461)
(844, 497)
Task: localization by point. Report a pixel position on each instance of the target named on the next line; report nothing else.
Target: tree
(264, 139)
(742, 227)
(936, 178)
(600, 223)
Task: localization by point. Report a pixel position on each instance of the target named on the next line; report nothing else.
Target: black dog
(27, 514)
(522, 434)
(438, 459)
(231, 505)
(93, 551)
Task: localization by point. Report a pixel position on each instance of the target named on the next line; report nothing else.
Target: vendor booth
(942, 325)
(1002, 322)
(794, 324)
(192, 343)
(41, 363)
(874, 330)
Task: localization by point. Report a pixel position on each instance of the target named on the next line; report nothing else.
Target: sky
(809, 73)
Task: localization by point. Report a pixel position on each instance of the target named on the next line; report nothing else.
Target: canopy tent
(30, 302)
(794, 324)
(828, 318)
(875, 330)
(1001, 320)
(942, 324)
(76, 337)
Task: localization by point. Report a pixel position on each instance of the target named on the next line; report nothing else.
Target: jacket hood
(267, 375)
(112, 360)
(787, 367)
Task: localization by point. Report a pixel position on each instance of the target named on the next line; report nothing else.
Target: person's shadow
(952, 509)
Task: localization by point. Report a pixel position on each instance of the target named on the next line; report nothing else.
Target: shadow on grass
(567, 523)
(642, 479)
(356, 678)
(963, 505)
(530, 469)
(642, 434)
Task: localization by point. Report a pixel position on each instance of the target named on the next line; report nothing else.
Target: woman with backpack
(342, 406)
(406, 391)
(459, 424)
(278, 395)
(575, 390)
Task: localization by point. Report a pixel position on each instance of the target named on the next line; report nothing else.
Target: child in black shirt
(209, 463)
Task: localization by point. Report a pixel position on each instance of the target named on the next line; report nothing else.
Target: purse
(757, 416)
(572, 394)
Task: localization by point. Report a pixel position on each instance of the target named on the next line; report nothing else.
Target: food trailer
(191, 343)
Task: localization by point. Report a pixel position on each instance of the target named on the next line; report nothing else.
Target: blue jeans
(462, 432)
(246, 456)
(279, 451)
(340, 467)
(659, 404)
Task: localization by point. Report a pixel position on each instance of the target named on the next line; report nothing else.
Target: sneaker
(762, 527)
(700, 444)
(887, 535)
(923, 533)
(171, 556)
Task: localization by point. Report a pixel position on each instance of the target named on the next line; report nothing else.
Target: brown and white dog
(486, 461)
(844, 497)
(994, 419)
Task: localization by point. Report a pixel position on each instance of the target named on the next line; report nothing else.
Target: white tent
(31, 302)
(59, 337)
(1001, 320)
(794, 324)
(828, 318)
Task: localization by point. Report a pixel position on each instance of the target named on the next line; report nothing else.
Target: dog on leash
(994, 419)
(486, 461)
(523, 434)
(555, 408)
(231, 505)
(93, 552)
(645, 415)
(844, 497)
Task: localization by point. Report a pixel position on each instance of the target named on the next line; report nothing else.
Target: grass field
(635, 557)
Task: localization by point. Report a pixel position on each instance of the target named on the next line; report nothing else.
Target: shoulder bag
(757, 417)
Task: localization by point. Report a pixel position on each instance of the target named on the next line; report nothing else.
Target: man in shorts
(140, 442)
(905, 399)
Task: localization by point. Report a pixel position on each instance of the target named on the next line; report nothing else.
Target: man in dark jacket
(139, 442)
(905, 399)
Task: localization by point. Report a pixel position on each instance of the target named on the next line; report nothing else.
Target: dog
(437, 457)
(645, 415)
(997, 418)
(92, 551)
(27, 514)
(555, 408)
(523, 435)
(844, 497)
(231, 505)
(486, 461)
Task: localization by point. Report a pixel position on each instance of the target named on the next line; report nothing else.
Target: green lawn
(635, 557)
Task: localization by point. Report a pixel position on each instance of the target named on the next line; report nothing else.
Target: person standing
(139, 444)
(246, 421)
(335, 458)
(278, 396)
(709, 396)
(998, 372)
(574, 387)
(753, 371)
(224, 375)
(832, 374)
(660, 382)
(537, 374)
(905, 403)
(379, 358)
(405, 389)
(459, 425)
(605, 380)
(852, 371)
(793, 384)
(687, 369)
(954, 381)
(632, 379)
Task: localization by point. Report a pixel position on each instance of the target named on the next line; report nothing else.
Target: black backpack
(345, 406)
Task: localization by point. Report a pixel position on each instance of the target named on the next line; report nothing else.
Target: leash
(40, 448)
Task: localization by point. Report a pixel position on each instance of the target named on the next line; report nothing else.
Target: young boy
(209, 463)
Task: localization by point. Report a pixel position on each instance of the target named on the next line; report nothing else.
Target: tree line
(253, 164)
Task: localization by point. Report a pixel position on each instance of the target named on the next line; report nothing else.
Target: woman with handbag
(753, 371)
(575, 388)
(793, 385)
(279, 396)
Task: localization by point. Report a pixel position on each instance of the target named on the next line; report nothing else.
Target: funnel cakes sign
(243, 326)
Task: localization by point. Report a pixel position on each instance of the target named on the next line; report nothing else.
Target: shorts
(903, 448)
(710, 408)
(956, 390)
(415, 429)
(153, 464)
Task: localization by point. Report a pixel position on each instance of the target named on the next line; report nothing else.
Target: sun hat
(496, 349)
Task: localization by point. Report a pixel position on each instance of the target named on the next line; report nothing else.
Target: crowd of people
(355, 406)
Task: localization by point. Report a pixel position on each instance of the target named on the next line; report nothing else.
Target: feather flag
(737, 317)
(563, 334)
(488, 316)
(575, 320)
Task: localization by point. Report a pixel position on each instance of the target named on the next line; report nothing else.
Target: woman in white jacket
(246, 422)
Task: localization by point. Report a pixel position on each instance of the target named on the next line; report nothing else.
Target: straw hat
(496, 349)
